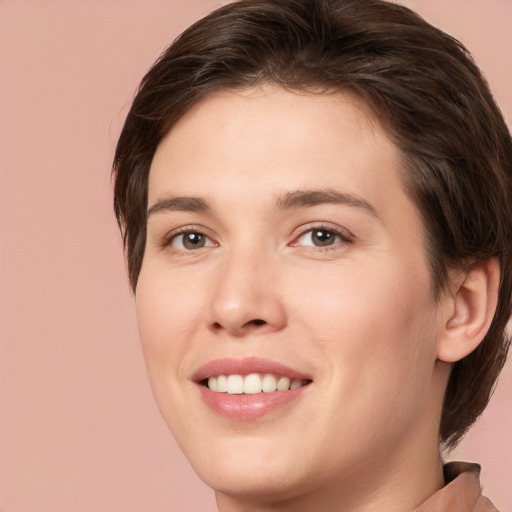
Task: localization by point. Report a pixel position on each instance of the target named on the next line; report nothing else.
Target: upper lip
(229, 366)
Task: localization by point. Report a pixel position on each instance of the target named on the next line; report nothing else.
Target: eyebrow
(178, 204)
(307, 198)
(290, 201)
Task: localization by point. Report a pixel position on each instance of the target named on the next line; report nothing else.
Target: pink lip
(245, 367)
(246, 407)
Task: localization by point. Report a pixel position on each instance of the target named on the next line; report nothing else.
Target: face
(285, 269)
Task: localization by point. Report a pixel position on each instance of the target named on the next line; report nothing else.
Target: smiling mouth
(251, 388)
(252, 384)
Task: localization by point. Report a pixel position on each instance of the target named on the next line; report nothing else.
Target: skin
(357, 316)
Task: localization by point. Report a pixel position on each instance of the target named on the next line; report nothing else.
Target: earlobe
(469, 310)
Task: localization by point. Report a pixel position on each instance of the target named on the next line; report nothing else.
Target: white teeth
(283, 384)
(235, 385)
(222, 384)
(252, 384)
(295, 384)
(212, 383)
(268, 384)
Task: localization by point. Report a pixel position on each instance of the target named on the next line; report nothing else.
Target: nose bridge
(244, 297)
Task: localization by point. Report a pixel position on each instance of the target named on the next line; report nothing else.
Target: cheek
(167, 315)
(375, 324)
(385, 297)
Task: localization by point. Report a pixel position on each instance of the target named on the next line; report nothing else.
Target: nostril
(239, 328)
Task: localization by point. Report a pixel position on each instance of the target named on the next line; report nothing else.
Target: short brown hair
(420, 83)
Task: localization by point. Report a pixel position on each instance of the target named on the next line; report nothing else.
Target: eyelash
(344, 237)
(186, 230)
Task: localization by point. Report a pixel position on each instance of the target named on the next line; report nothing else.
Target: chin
(262, 483)
(251, 469)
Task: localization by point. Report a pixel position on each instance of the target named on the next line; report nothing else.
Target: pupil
(323, 237)
(193, 240)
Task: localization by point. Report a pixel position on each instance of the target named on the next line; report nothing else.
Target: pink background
(79, 431)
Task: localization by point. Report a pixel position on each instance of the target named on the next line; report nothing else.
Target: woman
(322, 288)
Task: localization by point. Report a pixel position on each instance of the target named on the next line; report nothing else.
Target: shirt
(462, 492)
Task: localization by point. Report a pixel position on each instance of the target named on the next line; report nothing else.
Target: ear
(469, 311)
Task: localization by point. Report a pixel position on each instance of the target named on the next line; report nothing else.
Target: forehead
(266, 141)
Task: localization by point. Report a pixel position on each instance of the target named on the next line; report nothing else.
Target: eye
(321, 237)
(189, 241)
(318, 238)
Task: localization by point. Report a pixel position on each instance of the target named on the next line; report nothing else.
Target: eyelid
(345, 235)
(168, 238)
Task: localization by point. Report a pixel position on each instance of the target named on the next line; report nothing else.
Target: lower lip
(248, 407)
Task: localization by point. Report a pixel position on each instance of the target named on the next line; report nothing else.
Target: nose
(245, 298)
